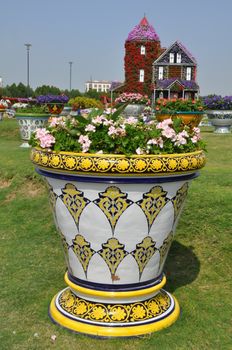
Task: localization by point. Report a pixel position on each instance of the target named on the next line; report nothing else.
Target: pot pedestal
(114, 314)
(116, 217)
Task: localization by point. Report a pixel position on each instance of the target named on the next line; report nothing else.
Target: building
(98, 85)
(151, 69)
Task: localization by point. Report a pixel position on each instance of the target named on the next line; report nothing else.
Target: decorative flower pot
(55, 108)
(28, 123)
(116, 217)
(66, 110)
(2, 111)
(191, 119)
(133, 110)
(221, 120)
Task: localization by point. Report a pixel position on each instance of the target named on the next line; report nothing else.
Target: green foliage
(46, 90)
(19, 90)
(33, 109)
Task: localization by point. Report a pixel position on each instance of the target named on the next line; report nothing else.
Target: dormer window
(141, 75)
(171, 57)
(143, 50)
(161, 73)
(188, 73)
(178, 58)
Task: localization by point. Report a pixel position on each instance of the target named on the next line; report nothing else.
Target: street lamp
(28, 62)
(70, 76)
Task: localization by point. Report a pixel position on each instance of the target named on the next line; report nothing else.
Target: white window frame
(178, 58)
(171, 57)
(188, 73)
(141, 75)
(161, 73)
(143, 50)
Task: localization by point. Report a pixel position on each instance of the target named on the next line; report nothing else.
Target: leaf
(115, 115)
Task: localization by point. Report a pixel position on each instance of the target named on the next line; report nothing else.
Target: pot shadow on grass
(182, 266)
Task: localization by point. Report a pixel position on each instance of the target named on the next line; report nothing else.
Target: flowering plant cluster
(84, 102)
(22, 108)
(4, 104)
(163, 105)
(217, 102)
(44, 99)
(130, 97)
(111, 133)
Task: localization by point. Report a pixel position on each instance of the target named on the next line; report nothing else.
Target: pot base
(115, 319)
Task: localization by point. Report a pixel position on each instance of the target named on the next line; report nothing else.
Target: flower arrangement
(4, 104)
(46, 99)
(132, 98)
(217, 102)
(84, 102)
(175, 105)
(102, 133)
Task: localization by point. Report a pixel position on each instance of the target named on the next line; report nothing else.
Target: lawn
(32, 264)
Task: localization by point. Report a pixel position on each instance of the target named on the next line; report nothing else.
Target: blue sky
(92, 35)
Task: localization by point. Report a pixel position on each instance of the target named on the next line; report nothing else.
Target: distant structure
(151, 69)
(98, 85)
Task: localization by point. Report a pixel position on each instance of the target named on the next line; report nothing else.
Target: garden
(33, 264)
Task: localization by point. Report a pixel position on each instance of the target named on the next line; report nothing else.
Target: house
(98, 85)
(152, 69)
(174, 73)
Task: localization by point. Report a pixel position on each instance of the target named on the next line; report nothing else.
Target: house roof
(167, 84)
(182, 47)
(143, 31)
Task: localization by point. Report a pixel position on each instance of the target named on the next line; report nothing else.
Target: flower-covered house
(150, 68)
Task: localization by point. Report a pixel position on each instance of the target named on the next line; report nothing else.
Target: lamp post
(28, 63)
(70, 75)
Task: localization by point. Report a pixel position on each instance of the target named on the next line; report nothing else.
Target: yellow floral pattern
(74, 201)
(179, 199)
(118, 164)
(163, 250)
(113, 203)
(83, 251)
(116, 313)
(113, 253)
(143, 253)
(152, 203)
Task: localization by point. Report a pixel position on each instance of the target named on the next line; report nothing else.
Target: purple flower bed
(52, 99)
(188, 84)
(143, 32)
(217, 102)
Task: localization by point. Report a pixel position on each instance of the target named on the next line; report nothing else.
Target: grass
(32, 265)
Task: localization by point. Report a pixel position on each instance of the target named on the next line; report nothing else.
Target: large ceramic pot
(191, 119)
(28, 123)
(133, 110)
(116, 217)
(221, 120)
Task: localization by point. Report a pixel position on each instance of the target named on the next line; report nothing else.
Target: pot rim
(118, 164)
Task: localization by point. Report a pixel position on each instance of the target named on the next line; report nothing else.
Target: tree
(47, 89)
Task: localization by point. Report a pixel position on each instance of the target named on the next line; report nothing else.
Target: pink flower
(85, 143)
(120, 131)
(169, 133)
(99, 119)
(164, 123)
(131, 121)
(45, 138)
(159, 142)
(90, 127)
(55, 121)
(139, 150)
(194, 139)
(180, 140)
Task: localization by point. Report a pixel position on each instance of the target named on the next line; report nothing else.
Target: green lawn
(32, 264)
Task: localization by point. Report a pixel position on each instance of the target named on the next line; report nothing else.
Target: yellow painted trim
(103, 331)
(99, 293)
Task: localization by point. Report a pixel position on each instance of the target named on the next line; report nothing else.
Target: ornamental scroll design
(110, 164)
(116, 313)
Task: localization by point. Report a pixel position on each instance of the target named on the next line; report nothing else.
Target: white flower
(90, 127)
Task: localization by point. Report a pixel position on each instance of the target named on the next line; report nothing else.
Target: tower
(142, 48)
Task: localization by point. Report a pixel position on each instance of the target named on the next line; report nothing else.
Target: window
(178, 58)
(142, 50)
(161, 73)
(171, 57)
(141, 75)
(188, 73)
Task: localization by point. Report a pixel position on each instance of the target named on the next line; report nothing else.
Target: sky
(92, 34)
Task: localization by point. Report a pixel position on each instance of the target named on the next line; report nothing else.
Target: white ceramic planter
(133, 110)
(221, 120)
(116, 217)
(28, 124)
